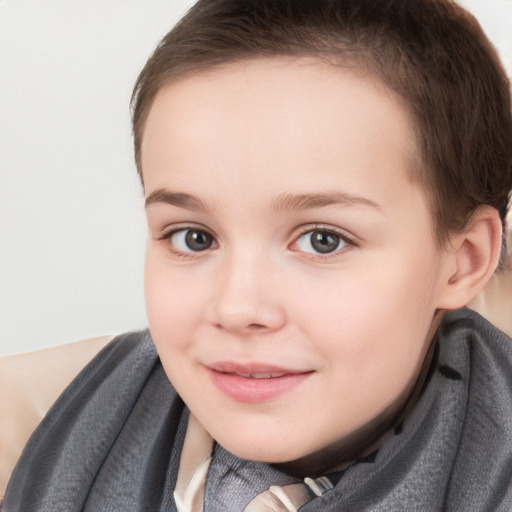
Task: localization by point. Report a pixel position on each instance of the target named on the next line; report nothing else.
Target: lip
(255, 382)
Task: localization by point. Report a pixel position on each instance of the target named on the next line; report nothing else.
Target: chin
(263, 451)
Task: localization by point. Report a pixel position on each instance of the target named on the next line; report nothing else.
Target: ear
(473, 256)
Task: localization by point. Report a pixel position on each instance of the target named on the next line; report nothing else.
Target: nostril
(256, 327)
(245, 316)
(250, 327)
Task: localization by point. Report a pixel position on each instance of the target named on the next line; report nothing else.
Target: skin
(258, 155)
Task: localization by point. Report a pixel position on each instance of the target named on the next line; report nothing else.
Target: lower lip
(245, 389)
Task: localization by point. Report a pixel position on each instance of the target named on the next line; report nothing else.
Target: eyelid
(169, 231)
(349, 239)
(316, 226)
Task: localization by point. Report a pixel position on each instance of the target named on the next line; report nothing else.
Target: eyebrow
(299, 202)
(283, 202)
(179, 199)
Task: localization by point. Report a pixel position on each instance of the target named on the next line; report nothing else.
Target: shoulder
(29, 384)
(477, 357)
(469, 326)
(479, 346)
(120, 411)
(38, 378)
(482, 356)
(495, 301)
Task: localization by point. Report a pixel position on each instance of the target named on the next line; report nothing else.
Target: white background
(71, 211)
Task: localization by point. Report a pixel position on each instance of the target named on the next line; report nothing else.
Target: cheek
(173, 303)
(372, 320)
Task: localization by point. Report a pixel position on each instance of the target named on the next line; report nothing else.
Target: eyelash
(304, 230)
(166, 236)
(322, 228)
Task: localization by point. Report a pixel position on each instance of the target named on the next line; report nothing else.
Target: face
(292, 275)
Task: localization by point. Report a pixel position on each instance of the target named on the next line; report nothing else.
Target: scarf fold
(114, 439)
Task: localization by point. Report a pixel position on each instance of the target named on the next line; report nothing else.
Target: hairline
(361, 63)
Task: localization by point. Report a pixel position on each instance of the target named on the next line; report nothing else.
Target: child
(324, 182)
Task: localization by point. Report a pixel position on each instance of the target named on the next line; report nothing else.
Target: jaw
(369, 437)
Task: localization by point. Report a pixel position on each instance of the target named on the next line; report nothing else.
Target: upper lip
(255, 370)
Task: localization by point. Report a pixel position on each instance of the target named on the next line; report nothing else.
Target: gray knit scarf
(112, 441)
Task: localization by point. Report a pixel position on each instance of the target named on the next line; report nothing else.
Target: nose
(246, 298)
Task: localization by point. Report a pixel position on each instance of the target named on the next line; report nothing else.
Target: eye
(320, 241)
(191, 240)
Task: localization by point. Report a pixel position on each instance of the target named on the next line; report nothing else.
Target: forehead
(294, 118)
(274, 88)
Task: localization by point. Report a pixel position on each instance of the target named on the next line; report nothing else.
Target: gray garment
(112, 441)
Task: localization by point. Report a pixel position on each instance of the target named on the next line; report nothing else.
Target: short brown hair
(432, 53)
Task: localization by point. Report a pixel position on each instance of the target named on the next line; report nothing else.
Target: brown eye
(191, 240)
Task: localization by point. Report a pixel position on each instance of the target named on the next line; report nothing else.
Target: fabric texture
(29, 385)
(113, 440)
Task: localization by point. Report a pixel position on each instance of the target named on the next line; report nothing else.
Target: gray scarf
(112, 441)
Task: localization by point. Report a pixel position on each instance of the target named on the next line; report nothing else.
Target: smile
(260, 375)
(255, 383)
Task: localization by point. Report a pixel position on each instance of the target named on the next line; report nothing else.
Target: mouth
(255, 382)
(260, 375)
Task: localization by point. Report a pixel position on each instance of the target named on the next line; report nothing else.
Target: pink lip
(254, 382)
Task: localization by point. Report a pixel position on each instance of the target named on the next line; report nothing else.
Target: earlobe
(474, 255)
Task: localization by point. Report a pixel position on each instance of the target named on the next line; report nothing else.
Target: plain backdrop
(72, 227)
